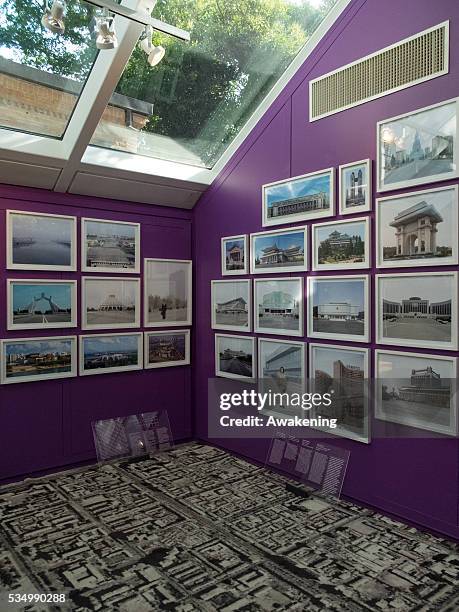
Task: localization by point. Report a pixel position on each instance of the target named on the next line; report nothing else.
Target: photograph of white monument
(231, 305)
(417, 390)
(418, 310)
(278, 306)
(418, 228)
(338, 307)
(110, 303)
(418, 147)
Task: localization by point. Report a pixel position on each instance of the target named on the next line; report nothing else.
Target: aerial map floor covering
(197, 529)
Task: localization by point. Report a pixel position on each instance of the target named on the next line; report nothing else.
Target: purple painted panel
(46, 425)
(416, 479)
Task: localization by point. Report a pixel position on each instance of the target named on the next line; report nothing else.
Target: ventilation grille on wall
(413, 60)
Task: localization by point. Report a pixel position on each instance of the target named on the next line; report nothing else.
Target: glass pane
(41, 73)
(190, 106)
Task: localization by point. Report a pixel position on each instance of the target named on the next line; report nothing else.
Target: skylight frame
(73, 153)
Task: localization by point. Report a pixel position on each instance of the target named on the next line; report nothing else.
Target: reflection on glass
(42, 74)
(189, 107)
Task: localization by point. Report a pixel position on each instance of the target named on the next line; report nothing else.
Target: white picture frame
(238, 239)
(227, 288)
(147, 364)
(59, 323)
(28, 241)
(346, 316)
(365, 435)
(405, 394)
(98, 281)
(83, 338)
(344, 207)
(290, 308)
(282, 234)
(236, 341)
(122, 267)
(304, 181)
(416, 310)
(387, 136)
(51, 343)
(344, 223)
(427, 197)
(162, 279)
(287, 343)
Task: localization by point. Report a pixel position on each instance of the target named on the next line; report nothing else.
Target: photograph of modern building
(341, 244)
(338, 307)
(279, 306)
(29, 359)
(417, 310)
(41, 304)
(110, 246)
(355, 187)
(166, 349)
(281, 365)
(37, 241)
(167, 292)
(299, 198)
(110, 302)
(110, 353)
(279, 251)
(418, 228)
(234, 255)
(231, 305)
(418, 147)
(416, 390)
(235, 356)
(342, 372)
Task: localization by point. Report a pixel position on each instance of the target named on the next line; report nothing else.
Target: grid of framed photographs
(43, 242)
(396, 287)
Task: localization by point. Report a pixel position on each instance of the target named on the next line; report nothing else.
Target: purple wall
(416, 479)
(47, 424)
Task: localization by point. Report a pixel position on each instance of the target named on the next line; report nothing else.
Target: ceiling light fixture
(53, 18)
(105, 29)
(154, 53)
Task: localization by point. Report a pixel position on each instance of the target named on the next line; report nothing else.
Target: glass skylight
(191, 106)
(41, 74)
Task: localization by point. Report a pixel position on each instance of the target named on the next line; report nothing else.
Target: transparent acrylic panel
(42, 74)
(196, 100)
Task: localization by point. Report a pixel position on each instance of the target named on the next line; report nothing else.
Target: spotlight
(155, 54)
(105, 29)
(53, 18)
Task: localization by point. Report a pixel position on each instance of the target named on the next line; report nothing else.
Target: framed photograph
(418, 147)
(338, 307)
(234, 255)
(235, 357)
(164, 349)
(39, 241)
(418, 228)
(30, 359)
(167, 292)
(41, 304)
(355, 187)
(106, 353)
(342, 371)
(279, 251)
(231, 305)
(278, 306)
(281, 365)
(418, 310)
(341, 245)
(417, 390)
(110, 246)
(110, 302)
(300, 198)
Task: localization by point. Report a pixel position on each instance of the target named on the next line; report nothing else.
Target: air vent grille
(413, 60)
